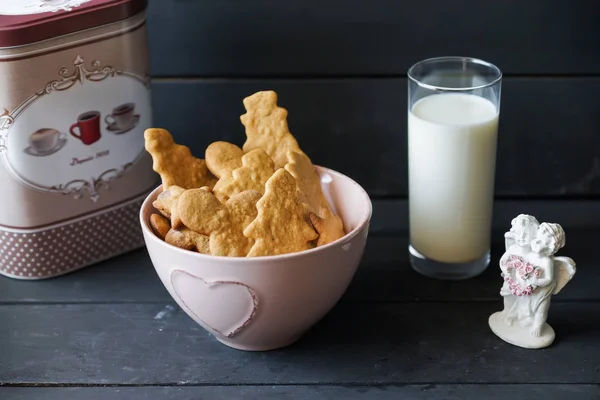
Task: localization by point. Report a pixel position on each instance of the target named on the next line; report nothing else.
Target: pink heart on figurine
(226, 307)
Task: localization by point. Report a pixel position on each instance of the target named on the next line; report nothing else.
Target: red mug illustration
(88, 125)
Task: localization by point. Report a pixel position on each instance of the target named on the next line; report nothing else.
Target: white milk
(452, 157)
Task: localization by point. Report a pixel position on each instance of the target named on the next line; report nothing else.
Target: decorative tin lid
(28, 21)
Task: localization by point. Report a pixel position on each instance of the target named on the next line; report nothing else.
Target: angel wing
(564, 269)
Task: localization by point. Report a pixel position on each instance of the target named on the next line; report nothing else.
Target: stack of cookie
(259, 200)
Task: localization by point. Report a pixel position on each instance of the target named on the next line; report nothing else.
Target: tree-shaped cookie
(200, 211)
(229, 239)
(281, 226)
(222, 158)
(257, 167)
(175, 163)
(308, 182)
(328, 225)
(267, 128)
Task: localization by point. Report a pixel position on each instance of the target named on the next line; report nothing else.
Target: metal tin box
(74, 104)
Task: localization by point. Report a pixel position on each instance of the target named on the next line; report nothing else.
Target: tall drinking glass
(453, 109)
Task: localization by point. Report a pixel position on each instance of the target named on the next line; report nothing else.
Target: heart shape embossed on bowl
(224, 306)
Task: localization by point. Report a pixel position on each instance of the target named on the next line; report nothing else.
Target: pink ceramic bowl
(264, 303)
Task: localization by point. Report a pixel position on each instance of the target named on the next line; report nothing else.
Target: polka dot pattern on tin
(46, 253)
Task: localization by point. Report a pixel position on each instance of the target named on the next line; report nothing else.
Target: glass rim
(470, 60)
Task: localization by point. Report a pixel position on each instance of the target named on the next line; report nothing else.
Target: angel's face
(542, 243)
(524, 232)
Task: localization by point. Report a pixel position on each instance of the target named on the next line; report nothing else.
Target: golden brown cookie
(186, 239)
(160, 225)
(267, 128)
(223, 157)
(257, 167)
(328, 225)
(280, 226)
(175, 163)
(330, 228)
(308, 182)
(176, 222)
(229, 239)
(200, 211)
(203, 245)
(166, 200)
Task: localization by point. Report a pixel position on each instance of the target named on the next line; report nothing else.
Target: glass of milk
(453, 109)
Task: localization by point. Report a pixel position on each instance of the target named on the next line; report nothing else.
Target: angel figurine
(518, 243)
(532, 274)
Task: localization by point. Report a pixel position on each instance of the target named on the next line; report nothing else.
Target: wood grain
(377, 37)
(380, 392)
(414, 343)
(548, 139)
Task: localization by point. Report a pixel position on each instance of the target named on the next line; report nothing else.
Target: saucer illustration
(117, 130)
(32, 151)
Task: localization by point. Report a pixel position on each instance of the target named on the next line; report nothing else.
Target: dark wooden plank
(548, 143)
(266, 37)
(126, 278)
(423, 392)
(354, 344)
(384, 276)
(391, 215)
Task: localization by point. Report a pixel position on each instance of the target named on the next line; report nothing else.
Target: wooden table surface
(111, 331)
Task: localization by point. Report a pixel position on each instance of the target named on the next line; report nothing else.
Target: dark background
(339, 68)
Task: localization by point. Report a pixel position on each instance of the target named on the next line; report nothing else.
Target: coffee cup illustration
(87, 127)
(45, 139)
(122, 118)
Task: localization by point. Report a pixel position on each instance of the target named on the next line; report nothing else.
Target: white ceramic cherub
(518, 242)
(532, 274)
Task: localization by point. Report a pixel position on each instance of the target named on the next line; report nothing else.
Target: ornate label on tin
(79, 132)
(24, 7)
